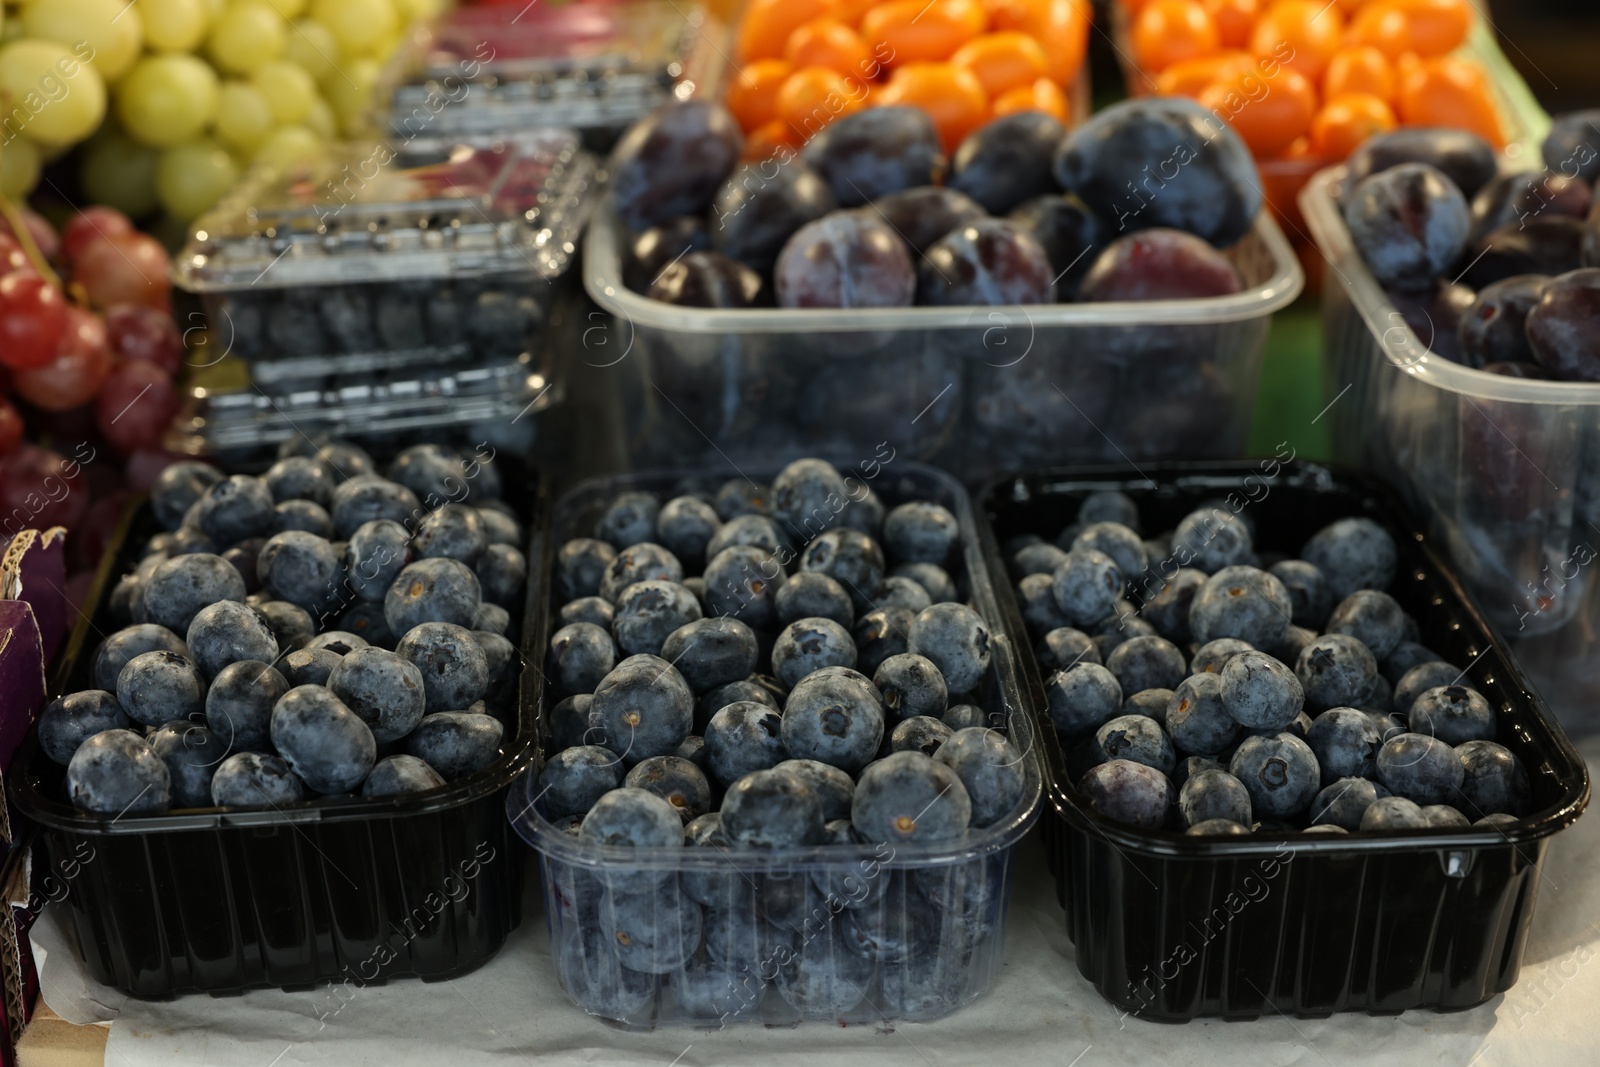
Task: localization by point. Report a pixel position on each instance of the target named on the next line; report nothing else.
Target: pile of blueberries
(1132, 205)
(760, 668)
(1248, 690)
(1500, 272)
(320, 631)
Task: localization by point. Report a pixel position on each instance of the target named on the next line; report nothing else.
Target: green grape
(246, 36)
(312, 48)
(166, 100)
(358, 25)
(61, 98)
(191, 177)
(321, 120)
(349, 91)
(174, 25)
(244, 118)
(289, 9)
(288, 89)
(116, 170)
(19, 168)
(111, 27)
(288, 145)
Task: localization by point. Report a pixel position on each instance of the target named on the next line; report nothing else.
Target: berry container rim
(1569, 767)
(542, 836)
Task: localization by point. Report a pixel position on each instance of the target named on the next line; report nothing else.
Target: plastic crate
(1173, 927)
(355, 891)
(974, 878)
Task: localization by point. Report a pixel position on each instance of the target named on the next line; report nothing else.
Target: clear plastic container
(1505, 472)
(955, 898)
(595, 67)
(978, 390)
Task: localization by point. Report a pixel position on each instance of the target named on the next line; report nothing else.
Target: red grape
(10, 426)
(136, 404)
(39, 489)
(88, 226)
(74, 375)
(125, 268)
(33, 318)
(12, 257)
(145, 333)
(44, 235)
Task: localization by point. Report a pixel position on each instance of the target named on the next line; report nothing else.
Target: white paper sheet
(1040, 1011)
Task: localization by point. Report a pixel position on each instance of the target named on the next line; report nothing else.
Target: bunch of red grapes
(87, 360)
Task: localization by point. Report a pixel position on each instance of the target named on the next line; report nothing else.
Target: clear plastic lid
(387, 212)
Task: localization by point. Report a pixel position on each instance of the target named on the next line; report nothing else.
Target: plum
(758, 209)
(993, 261)
(876, 152)
(1568, 148)
(923, 215)
(659, 245)
(1493, 331)
(1564, 326)
(1520, 198)
(1545, 245)
(671, 163)
(1435, 317)
(1007, 161)
(1409, 223)
(707, 280)
(1465, 158)
(1159, 264)
(846, 259)
(1068, 230)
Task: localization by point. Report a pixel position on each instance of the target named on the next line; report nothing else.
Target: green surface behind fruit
(1290, 403)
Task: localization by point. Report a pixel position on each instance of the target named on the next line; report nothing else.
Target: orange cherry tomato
(1346, 121)
(1303, 34)
(1361, 69)
(1383, 27)
(753, 96)
(831, 44)
(1268, 113)
(767, 24)
(951, 95)
(1062, 29)
(1043, 95)
(1171, 31)
(1193, 75)
(1449, 91)
(812, 97)
(1002, 61)
(768, 139)
(1234, 19)
(850, 12)
(1435, 27)
(918, 31)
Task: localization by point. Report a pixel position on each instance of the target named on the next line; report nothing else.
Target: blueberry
(1214, 794)
(430, 471)
(575, 778)
(115, 772)
(918, 733)
(814, 595)
(581, 564)
(238, 707)
(68, 721)
(1082, 698)
(177, 488)
(246, 559)
(1128, 792)
(1087, 586)
(643, 708)
(178, 588)
(235, 508)
(1310, 597)
(374, 556)
(1137, 738)
(1344, 800)
(711, 653)
(455, 672)
(307, 666)
(1420, 679)
(1218, 828)
(632, 818)
(364, 620)
(920, 532)
(1190, 766)
(743, 581)
(1151, 703)
(588, 609)
(1454, 714)
(1147, 663)
(191, 754)
(300, 515)
(456, 743)
(807, 646)
(1008, 160)
(880, 634)
(1346, 743)
(1212, 656)
(874, 153)
(395, 776)
(1493, 780)
(1280, 773)
(454, 531)
(501, 527)
(1064, 648)
(1243, 602)
(648, 611)
(654, 931)
(1038, 558)
(1210, 539)
(384, 689)
(115, 651)
(902, 593)
(685, 525)
(254, 780)
(1373, 618)
(956, 640)
(158, 687)
(325, 743)
(1443, 816)
(1381, 699)
(833, 719)
(595, 981)
(367, 497)
(188, 540)
(1036, 595)
(629, 520)
(1352, 554)
(568, 721)
(1197, 718)
(227, 632)
(824, 979)
(909, 798)
(850, 558)
(492, 618)
(833, 787)
(1393, 813)
(300, 478)
(910, 685)
(1260, 692)
(1336, 670)
(675, 780)
(772, 808)
(1420, 768)
(990, 768)
(1410, 223)
(757, 531)
(300, 567)
(1117, 541)
(807, 496)
(752, 688)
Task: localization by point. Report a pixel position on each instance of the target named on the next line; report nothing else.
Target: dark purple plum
(1546, 245)
(671, 163)
(847, 259)
(876, 152)
(1517, 370)
(1564, 326)
(1494, 329)
(1465, 158)
(1004, 162)
(1409, 223)
(1068, 231)
(1159, 264)
(1435, 316)
(923, 215)
(1524, 196)
(758, 209)
(707, 280)
(991, 262)
(1568, 148)
(659, 245)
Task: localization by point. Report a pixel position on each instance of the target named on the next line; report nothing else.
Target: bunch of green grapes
(173, 99)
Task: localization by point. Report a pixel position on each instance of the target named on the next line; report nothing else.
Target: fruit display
(804, 64)
(748, 672)
(1198, 687)
(315, 633)
(171, 100)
